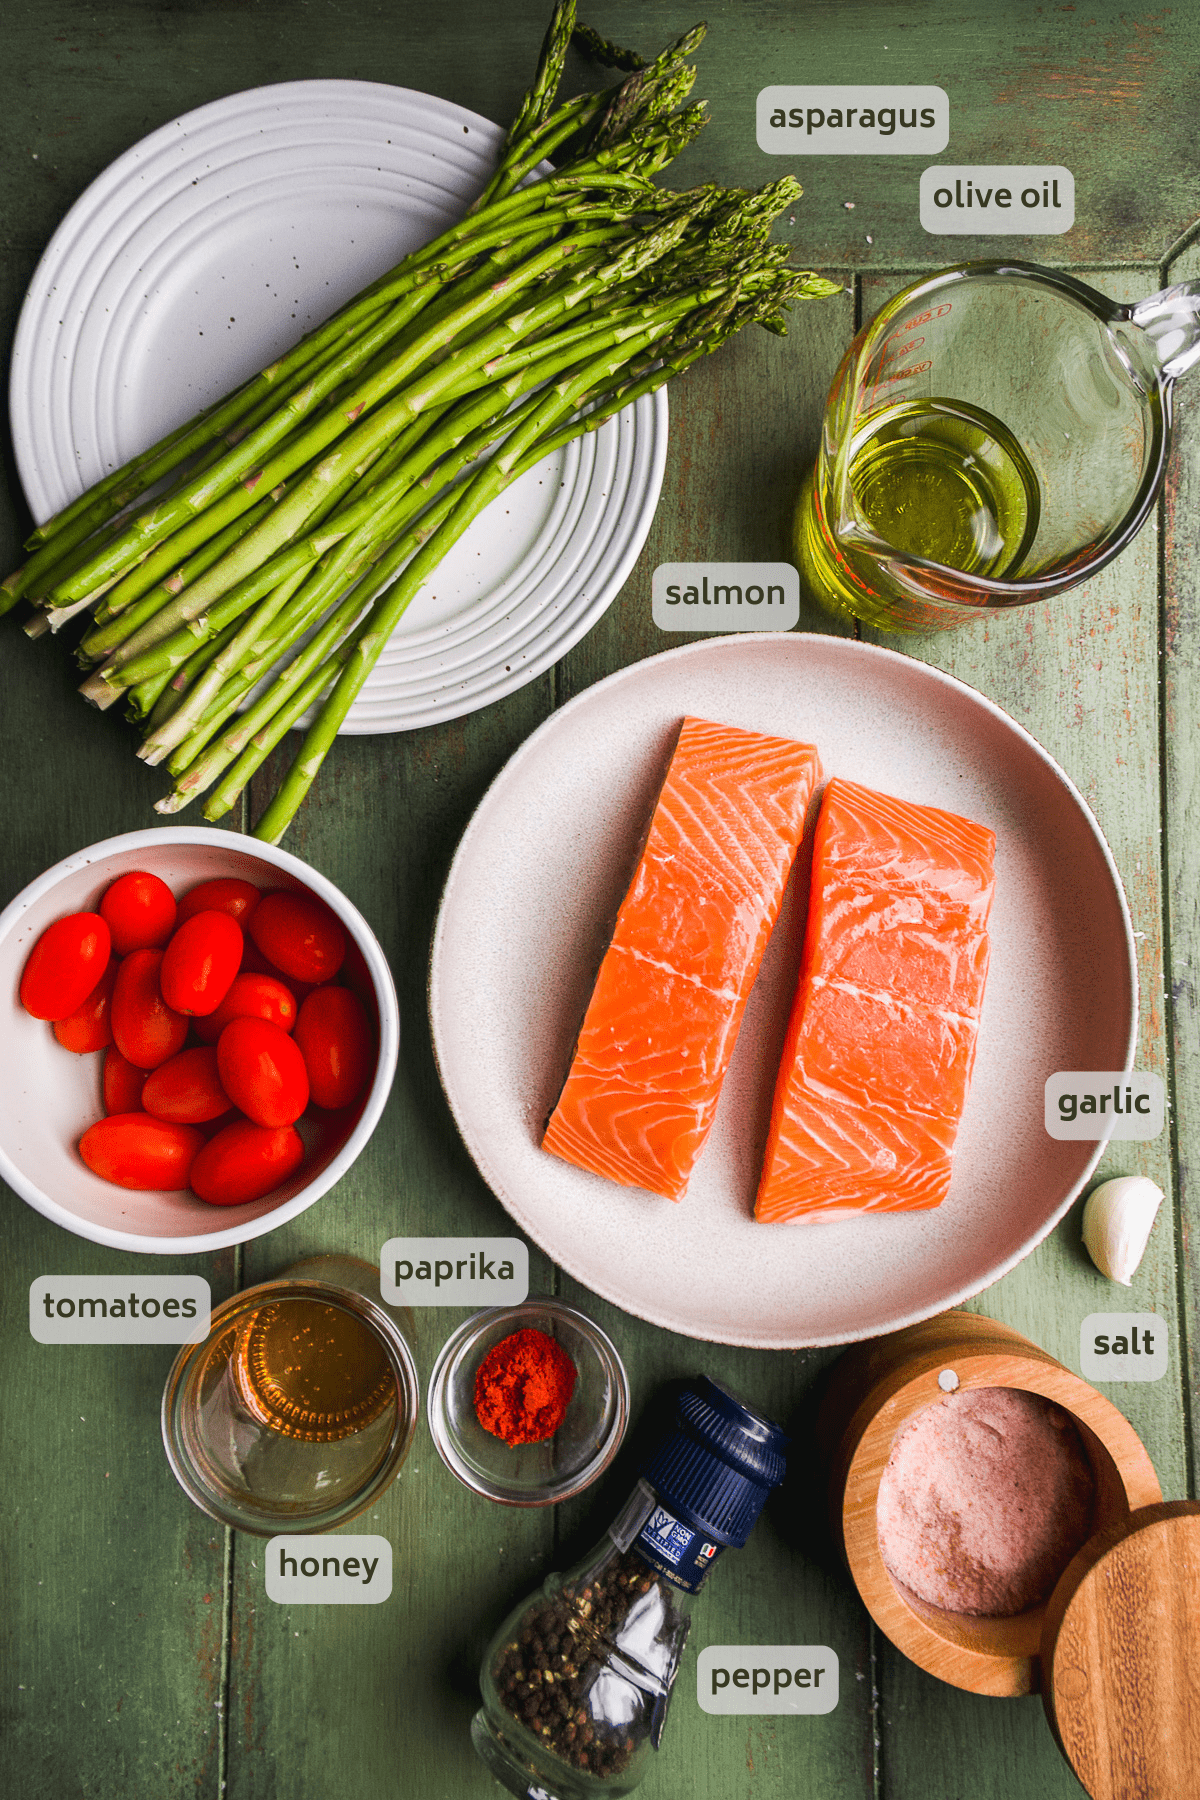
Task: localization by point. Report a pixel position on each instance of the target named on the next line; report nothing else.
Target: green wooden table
(144, 1659)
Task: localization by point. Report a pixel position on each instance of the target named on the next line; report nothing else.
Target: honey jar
(300, 1405)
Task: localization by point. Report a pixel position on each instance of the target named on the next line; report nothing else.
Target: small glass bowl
(584, 1444)
(239, 1442)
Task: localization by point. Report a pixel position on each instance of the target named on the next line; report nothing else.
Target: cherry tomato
(262, 1071)
(123, 1083)
(89, 1027)
(250, 997)
(139, 910)
(64, 965)
(145, 1029)
(244, 1162)
(299, 935)
(255, 963)
(135, 1151)
(187, 1090)
(337, 1044)
(237, 898)
(200, 962)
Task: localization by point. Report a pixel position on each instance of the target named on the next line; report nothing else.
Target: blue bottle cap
(718, 1465)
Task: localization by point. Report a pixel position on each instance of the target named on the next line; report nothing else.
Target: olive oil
(934, 479)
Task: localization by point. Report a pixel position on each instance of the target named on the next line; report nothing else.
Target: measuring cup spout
(1171, 320)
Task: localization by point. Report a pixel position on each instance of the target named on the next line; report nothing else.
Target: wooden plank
(1089, 86)
(360, 1692)
(1026, 84)
(114, 1587)
(87, 85)
(743, 431)
(1080, 674)
(1181, 773)
(114, 1581)
(734, 468)
(786, 1586)
(352, 1700)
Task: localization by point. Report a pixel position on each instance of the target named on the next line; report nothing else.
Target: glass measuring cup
(996, 434)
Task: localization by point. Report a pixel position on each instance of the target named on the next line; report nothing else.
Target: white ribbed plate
(538, 878)
(207, 250)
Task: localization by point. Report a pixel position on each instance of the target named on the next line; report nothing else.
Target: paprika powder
(524, 1387)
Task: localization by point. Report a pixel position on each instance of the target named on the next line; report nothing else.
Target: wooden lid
(1121, 1657)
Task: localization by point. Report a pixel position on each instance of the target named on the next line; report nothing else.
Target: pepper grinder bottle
(577, 1680)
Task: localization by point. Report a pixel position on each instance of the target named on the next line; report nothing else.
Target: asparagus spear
(320, 495)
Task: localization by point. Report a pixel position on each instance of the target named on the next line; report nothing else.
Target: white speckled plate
(542, 868)
(207, 250)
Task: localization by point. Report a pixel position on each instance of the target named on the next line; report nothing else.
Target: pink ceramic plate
(543, 866)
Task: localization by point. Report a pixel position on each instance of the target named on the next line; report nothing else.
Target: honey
(299, 1406)
(311, 1371)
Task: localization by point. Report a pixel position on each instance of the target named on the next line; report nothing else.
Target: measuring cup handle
(1171, 320)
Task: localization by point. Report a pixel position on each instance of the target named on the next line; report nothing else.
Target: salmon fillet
(660, 1028)
(881, 1040)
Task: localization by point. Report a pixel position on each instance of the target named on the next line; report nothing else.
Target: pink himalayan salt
(986, 1497)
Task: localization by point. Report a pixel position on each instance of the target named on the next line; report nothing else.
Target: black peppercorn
(535, 1682)
(579, 1678)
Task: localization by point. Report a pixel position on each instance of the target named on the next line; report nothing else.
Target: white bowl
(49, 1097)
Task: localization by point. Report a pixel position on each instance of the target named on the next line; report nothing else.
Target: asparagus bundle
(323, 493)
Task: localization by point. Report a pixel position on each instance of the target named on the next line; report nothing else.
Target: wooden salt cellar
(1115, 1650)
(876, 1388)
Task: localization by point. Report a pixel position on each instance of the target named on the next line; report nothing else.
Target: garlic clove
(1117, 1220)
